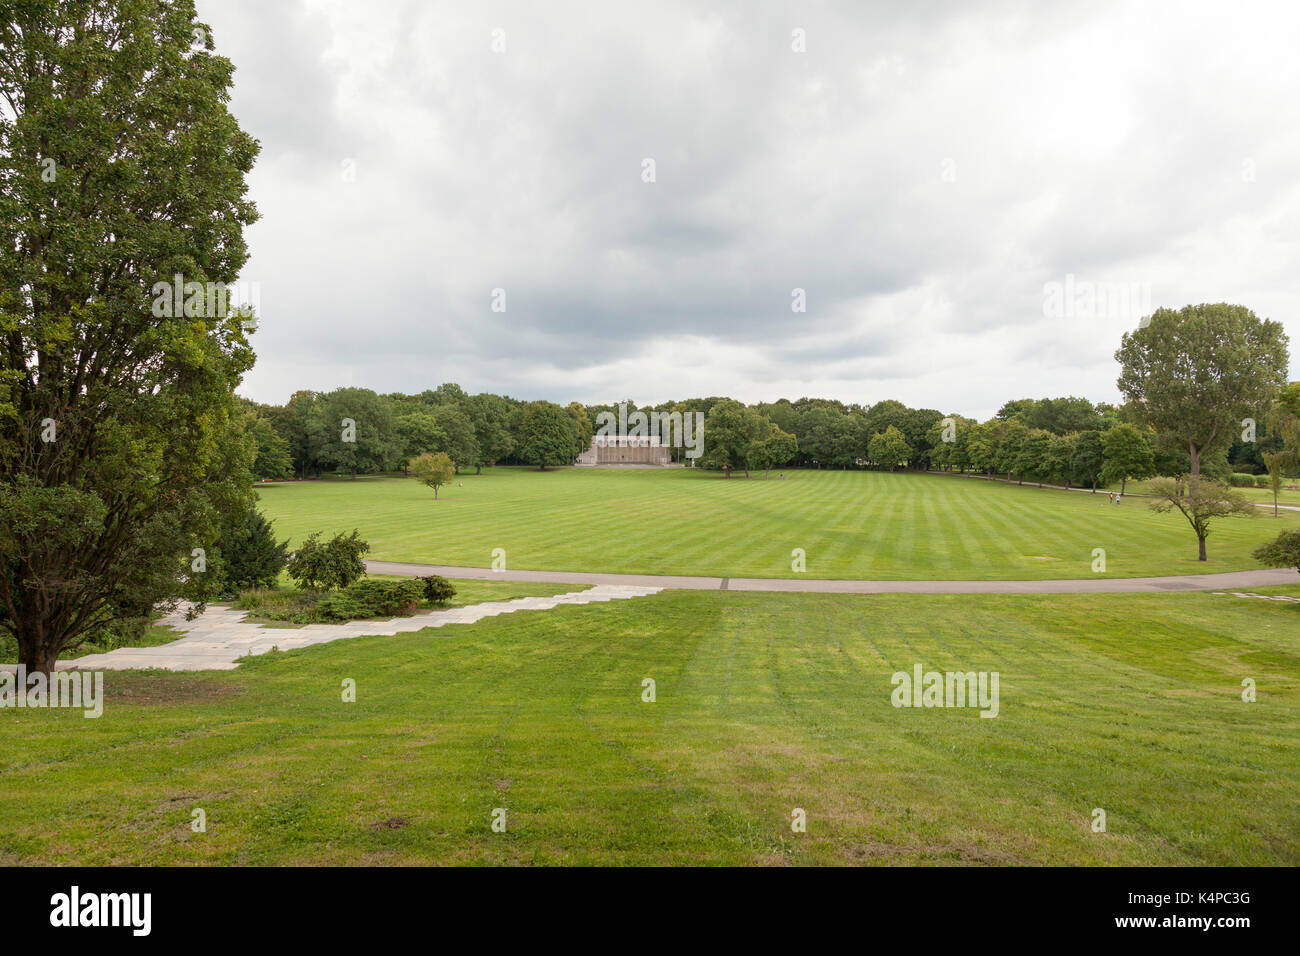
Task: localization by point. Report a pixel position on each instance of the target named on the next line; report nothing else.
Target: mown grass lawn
(850, 524)
(765, 703)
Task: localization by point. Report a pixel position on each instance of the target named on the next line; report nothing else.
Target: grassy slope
(766, 702)
(851, 525)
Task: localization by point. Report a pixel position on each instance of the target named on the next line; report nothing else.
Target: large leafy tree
(459, 440)
(419, 434)
(1195, 373)
(1126, 455)
(491, 417)
(732, 433)
(888, 448)
(120, 167)
(1088, 458)
(356, 432)
(547, 435)
(271, 457)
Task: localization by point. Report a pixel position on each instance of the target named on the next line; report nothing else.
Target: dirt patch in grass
(939, 852)
(121, 687)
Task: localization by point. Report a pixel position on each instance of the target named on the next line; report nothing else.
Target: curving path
(220, 636)
(1176, 582)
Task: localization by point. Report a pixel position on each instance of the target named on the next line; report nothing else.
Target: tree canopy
(120, 437)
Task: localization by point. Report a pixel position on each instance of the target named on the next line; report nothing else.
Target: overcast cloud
(922, 171)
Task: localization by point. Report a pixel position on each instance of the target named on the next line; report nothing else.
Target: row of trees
(358, 431)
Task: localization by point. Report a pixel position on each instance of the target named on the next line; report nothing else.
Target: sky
(972, 201)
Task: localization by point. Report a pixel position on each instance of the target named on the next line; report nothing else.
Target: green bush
(331, 566)
(437, 589)
(1282, 552)
(296, 607)
(1240, 479)
(373, 599)
(249, 555)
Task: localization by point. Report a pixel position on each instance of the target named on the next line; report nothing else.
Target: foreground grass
(765, 703)
(850, 525)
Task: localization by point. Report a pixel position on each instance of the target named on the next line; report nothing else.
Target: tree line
(1069, 441)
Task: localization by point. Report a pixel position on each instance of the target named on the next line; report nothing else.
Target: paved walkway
(1177, 582)
(216, 639)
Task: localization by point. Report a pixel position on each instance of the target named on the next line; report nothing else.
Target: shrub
(1240, 479)
(1282, 552)
(296, 607)
(250, 556)
(437, 589)
(331, 566)
(373, 599)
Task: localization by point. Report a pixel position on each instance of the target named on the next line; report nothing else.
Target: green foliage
(1195, 373)
(548, 435)
(330, 566)
(1088, 458)
(1240, 480)
(270, 449)
(1127, 454)
(1200, 500)
(420, 434)
(149, 182)
(888, 448)
(433, 470)
(730, 430)
(1282, 552)
(366, 599)
(249, 556)
(437, 589)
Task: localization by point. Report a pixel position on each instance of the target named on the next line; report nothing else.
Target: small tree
(433, 470)
(1282, 552)
(437, 589)
(1199, 500)
(250, 555)
(1127, 455)
(1275, 462)
(331, 566)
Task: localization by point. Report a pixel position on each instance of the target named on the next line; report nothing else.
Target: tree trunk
(36, 656)
(478, 469)
(435, 492)
(1194, 454)
(1201, 539)
(1123, 483)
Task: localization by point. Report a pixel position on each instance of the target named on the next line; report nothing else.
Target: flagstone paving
(219, 637)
